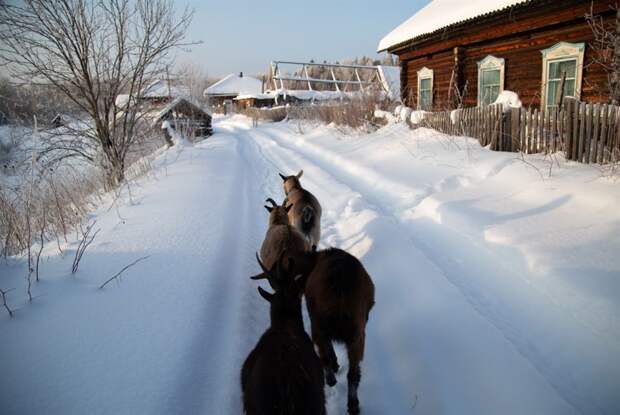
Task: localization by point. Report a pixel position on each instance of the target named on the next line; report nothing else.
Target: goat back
(283, 375)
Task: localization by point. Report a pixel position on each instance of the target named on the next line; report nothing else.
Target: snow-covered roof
(157, 116)
(390, 78)
(441, 13)
(235, 84)
(162, 88)
(260, 95)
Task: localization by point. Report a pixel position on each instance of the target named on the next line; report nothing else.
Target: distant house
(181, 113)
(540, 49)
(230, 87)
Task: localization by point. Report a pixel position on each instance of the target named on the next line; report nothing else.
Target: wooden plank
(615, 149)
(596, 126)
(611, 129)
(588, 139)
(554, 130)
(582, 131)
(601, 142)
(546, 131)
(522, 130)
(575, 138)
(534, 139)
(514, 128)
(568, 122)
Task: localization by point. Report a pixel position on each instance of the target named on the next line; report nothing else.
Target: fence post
(568, 136)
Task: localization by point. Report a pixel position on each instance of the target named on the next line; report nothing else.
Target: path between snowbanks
(470, 313)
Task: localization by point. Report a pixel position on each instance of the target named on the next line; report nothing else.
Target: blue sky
(245, 35)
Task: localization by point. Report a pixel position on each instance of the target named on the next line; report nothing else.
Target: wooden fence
(588, 133)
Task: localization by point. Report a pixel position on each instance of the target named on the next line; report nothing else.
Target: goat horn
(261, 276)
(273, 202)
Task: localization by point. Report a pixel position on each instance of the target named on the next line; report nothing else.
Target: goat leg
(327, 355)
(355, 351)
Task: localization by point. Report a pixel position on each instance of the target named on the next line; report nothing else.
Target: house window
(425, 89)
(562, 65)
(490, 79)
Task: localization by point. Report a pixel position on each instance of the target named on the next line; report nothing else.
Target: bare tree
(93, 51)
(606, 46)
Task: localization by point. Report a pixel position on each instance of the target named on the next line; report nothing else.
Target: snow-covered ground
(498, 287)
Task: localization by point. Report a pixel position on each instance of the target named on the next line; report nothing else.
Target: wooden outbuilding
(183, 114)
(466, 53)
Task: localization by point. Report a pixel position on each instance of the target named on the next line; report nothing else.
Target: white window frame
(425, 73)
(490, 63)
(560, 52)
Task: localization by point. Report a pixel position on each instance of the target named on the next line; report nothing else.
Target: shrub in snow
(508, 99)
(417, 116)
(397, 110)
(405, 113)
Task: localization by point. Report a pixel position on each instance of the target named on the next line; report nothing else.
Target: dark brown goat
(339, 296)
(280, 235)
(283, 375)
(306, 212)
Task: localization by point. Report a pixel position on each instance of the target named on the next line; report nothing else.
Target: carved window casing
(490, 79)
(425, 89)
(561, 61)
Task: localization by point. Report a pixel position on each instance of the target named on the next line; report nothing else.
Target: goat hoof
(353, 406)
(330, 379)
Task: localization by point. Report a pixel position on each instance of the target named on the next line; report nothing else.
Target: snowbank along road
(497, 287)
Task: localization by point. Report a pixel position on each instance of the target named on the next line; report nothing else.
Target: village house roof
(440, 14)
(235, 84)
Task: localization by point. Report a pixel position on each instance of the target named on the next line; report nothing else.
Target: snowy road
(479, 307)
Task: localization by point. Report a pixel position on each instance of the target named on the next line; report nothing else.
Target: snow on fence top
(235, 84)
(439, 14)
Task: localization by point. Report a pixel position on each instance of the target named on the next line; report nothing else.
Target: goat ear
(300, 173)
(265, 294)
(269, 209)
(283, 177)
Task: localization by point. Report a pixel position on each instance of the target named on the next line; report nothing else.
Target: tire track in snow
(275, 145)
(233, 316)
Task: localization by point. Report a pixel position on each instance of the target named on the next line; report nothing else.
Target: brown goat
(280, 235)
(283, 375)
(339, 296)
(306, 212)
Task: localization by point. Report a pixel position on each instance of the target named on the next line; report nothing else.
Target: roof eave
(429, 35)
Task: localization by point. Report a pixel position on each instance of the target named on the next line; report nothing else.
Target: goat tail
(308, 217)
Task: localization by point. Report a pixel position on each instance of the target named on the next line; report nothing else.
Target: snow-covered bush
(417, 116)
(405, 113)
(357, 113)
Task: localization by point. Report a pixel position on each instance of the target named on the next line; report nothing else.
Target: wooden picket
(588, 133)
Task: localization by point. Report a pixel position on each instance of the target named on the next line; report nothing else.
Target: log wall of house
(518, 37)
